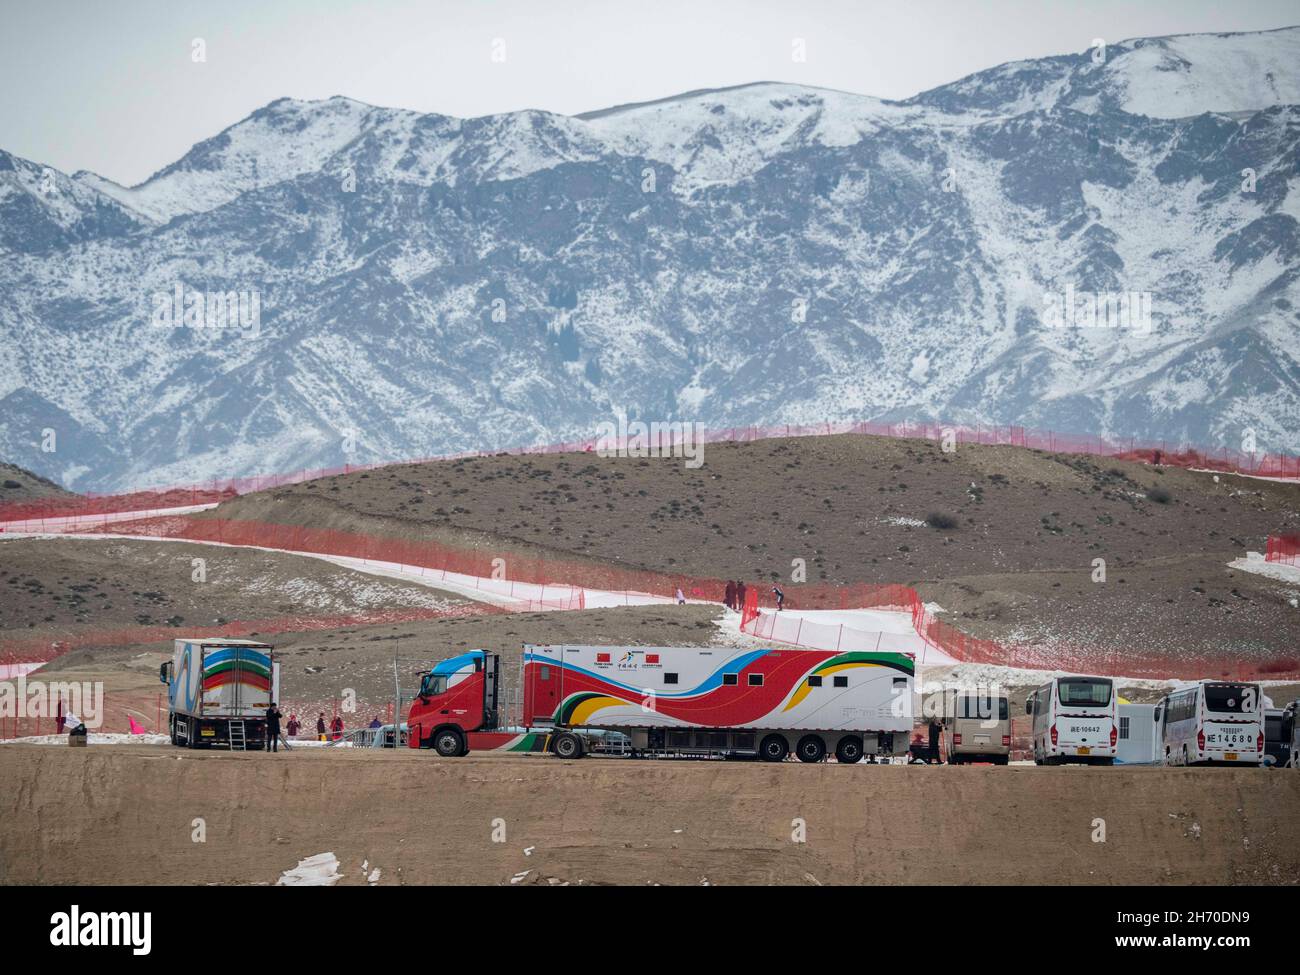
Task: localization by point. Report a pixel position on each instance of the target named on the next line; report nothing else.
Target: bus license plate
(207, 733)
(1084, 750)
(1229, 756)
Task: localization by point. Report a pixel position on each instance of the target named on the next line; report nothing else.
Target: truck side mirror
(165, 673)
(1029, 705)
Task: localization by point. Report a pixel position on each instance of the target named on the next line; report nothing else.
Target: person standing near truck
(273, 728)
(320, 726)
(936, 732)
(293, 726)
(336, 726)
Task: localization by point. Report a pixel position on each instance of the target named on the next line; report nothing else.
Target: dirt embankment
(1015, 563)
(130, 814)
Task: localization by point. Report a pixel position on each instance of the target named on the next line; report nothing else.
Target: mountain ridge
(762, 253)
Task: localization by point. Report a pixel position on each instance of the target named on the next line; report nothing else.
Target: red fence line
(1283, 548)
(1177, 455)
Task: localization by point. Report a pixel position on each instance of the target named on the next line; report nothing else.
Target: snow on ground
(842, 629)
(92, 738)
(1253, 477)
(1256, 563)
(72, 523)
(14, 671)
(321, 870)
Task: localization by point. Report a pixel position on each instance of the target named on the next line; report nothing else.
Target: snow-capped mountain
(416, 284)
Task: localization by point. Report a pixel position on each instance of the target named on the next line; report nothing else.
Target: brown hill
(1004, 538)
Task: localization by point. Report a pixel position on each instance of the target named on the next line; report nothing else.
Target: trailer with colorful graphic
(765, 703)
(218, 692)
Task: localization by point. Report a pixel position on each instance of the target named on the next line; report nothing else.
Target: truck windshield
(1084, 692)
(1230, 698)
(433, 684)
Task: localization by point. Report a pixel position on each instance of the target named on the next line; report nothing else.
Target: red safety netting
(1172, 454)
(1283, 548)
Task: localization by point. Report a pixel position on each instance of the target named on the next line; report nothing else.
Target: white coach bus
(1213, 722)
(1075, 720)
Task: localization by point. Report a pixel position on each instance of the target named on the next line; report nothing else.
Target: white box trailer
(765, 702)
(218, 691)
(1139, 740)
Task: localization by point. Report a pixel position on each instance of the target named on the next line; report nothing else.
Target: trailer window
(1228, 698)
(814, 682)
(729, 680)
(755, 680)
(546, 673)
(670, 678)
(841, 680)
(1084, 692)
(1123, 727)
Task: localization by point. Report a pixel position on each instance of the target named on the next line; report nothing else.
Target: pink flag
(136, 727)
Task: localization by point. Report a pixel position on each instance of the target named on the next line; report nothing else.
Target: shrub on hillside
(1159, 495)
(938, 520)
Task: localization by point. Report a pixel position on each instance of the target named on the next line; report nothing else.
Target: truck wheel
(810, 749)
(774, 748)
(849, 750)
(448, 743)
(568, 745)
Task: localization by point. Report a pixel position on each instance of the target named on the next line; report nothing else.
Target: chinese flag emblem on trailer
(602, 658)
(652, 658)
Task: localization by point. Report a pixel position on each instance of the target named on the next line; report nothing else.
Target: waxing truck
(658, 701)
(218, 690)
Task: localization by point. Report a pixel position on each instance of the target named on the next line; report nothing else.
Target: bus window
(1084, 692)
(981, 707)
(1227, 698)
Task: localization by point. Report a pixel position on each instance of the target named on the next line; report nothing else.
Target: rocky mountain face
(416, 284)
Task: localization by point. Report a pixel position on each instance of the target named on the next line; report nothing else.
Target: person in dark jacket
(273, 728)
(779, 596)
(320, 726)
(936, 731)
(730, 599)
(336, 727)
(293, 726)
(741, 590)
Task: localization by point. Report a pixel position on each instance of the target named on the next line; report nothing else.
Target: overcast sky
(112, 86)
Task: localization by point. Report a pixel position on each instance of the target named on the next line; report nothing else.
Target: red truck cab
(458, 697)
